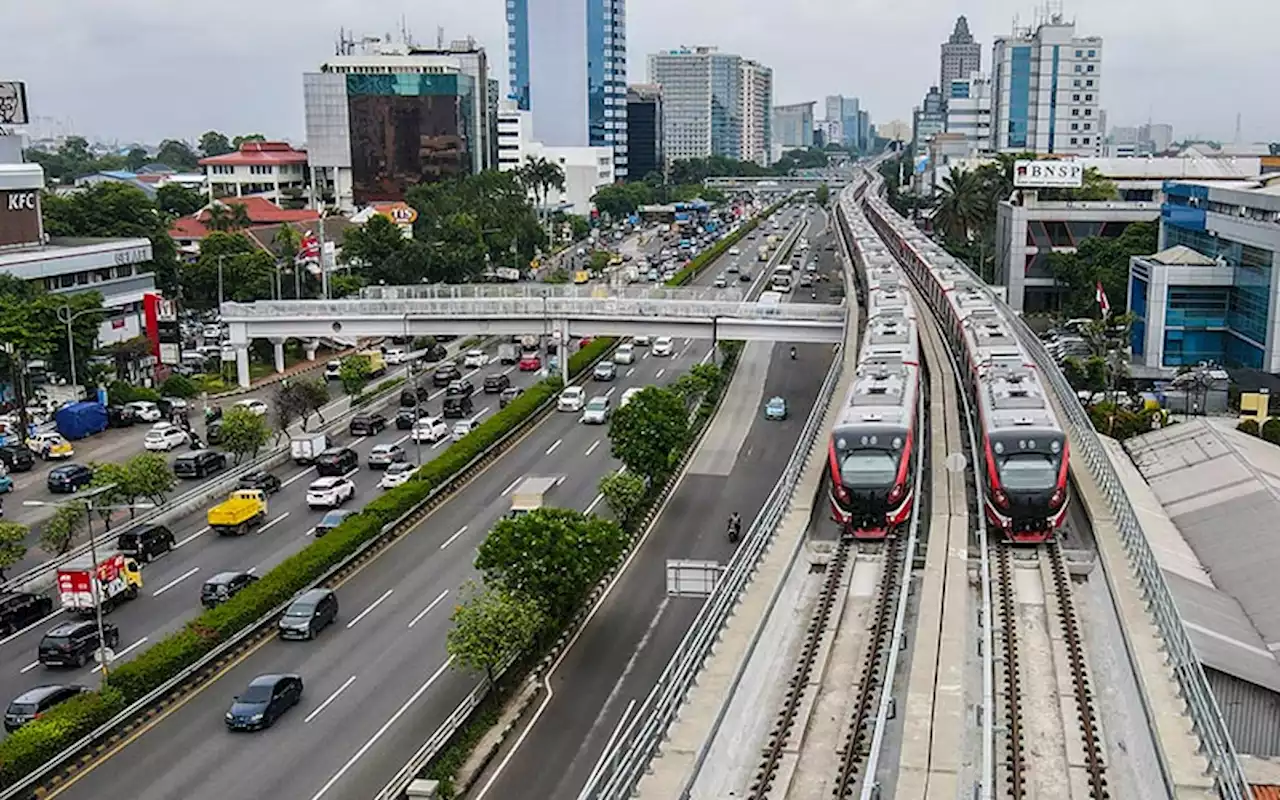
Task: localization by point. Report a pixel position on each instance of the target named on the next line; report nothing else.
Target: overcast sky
(150, 69)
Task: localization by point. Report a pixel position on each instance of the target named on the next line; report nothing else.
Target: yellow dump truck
(581, 276)
(377, 363)
(241, 512)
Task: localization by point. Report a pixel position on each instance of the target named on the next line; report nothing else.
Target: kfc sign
(1043, 174)
(19, 217)
(22, 201)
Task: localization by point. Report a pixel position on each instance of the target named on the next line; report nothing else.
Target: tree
(213, 143)
(354, 373)
(551, 557)
(962, 207)
(1101, 259)
(622, 199)
(649, 433)
(178, 200)
(299, 399)
(822, 194)
(490, 626)
(178, 385)
(624, 492)
(136, 159)
(29, 322)
(60, 530)
(248, 273)
(252, 137)
(230, 216)
(150, 477)
(244, 432)
(13, 544)
(372, 247)
(178, 155)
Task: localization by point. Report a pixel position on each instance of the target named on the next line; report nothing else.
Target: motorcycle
(735, 531)
(793, 354)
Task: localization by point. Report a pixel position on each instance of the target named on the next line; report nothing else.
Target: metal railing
(481, 291)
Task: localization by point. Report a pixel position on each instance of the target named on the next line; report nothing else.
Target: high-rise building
(928, 119)
(757, 113)
(968, 110)
(961, 55)
(586, 169)
(1157, 137)
(793, 125)
(1047, 91)
(845, 111)
(705, 108)
(864, 130)
(644, 130)
(568, 66)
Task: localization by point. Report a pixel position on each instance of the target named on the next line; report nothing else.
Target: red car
(586, 340)
(530, 362)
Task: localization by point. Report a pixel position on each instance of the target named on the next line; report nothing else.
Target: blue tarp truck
(79, 420)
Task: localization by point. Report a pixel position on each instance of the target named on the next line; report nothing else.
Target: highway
(377, 682)
(633, 633)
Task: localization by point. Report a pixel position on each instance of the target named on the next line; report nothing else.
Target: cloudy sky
(149, 69)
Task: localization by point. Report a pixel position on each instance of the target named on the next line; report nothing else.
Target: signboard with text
(19, 217)
(1045, 174)
(161, 316)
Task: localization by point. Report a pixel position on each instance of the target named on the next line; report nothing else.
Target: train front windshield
(1029, 472)
(868, 469)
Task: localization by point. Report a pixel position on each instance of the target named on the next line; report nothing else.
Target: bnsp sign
(19, 217)
(1041, 174)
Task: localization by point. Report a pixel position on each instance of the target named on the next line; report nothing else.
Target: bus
(763, 254)
(782, 276)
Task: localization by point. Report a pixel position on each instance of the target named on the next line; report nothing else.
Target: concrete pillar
(242, 365)
(309, 348)
(564, 351)
(277, 347)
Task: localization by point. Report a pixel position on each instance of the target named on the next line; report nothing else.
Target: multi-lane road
(377, 682)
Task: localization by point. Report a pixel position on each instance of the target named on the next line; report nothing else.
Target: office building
(793, 125)
(644, 131)
(968, 111)
(757, 113)
(1047, 91)
(845, 111)
(568, 65)
(1211, 292)
(831, 129)
(586, 169)
(928, 119)
(1157, 136)
(1122, 142)
(713, 103)
(864, 131)
(272, 170)
(961, 55)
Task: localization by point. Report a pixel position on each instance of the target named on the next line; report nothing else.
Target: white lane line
(592, 505)
(330, 699)
(630, 372)
(560, 480)
(358, 440)
(509, 370)
(309, 532)
(121, 653)
(351, 472)
(35, 624)
(507, 490)
(440, 443)
(403, 439)
(594, 444)
(617, 730)
(659, 375)
(481, 413)
(644, 355)
(175, 581)
(427, 610)
(187, 540)
(686, 342)
(612, 389)
(29, 667)
(454, 537)
(381, 731)
(553, 447)
(263, 529)
(297, 477)
(371, 607)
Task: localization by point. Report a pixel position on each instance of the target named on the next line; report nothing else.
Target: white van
(625, 354)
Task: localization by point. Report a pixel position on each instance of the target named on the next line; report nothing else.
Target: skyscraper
(961, 55)
(1046, 91)
(845, 110)
(793, 125)
(702, 102)
(568, 66)
(644, 130)
(757, 112)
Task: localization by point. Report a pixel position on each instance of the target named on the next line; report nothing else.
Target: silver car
(596, 411)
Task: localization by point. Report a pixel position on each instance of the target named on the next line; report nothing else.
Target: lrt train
(1020, 438)
(872, 449)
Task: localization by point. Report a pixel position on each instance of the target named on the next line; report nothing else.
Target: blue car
(775, 409)
(6, 484)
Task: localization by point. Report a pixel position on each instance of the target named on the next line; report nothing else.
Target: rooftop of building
(272, 153)
(260, 211)
(58, 247)
(1156, 168)
(1181, 255)
(1268, 184)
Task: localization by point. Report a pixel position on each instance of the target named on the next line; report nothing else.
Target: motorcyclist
(735, 526)
(814, 294)
(793, 352)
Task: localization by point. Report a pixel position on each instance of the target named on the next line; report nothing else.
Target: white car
(332, 370)
(571, 399)
(663, 346)
(628, 394)
(734, 251)
(640, 341)
(597, 411)
(330, 492)
(721, 282)
(145, 410)
(475, 359)
(625, 354)
(258, 407)
(397, 474)
(429, 429)
(211, 332)
(394, 355)
(164, 436)
(462, 427)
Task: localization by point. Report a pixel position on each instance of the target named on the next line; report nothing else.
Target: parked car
(145, 542)
(261, 480)
(145, 410)
(333, 519)
(50, 446)
(224, 586)
(20, 609)
(337, 461)
(263, 701)
(68, 478)
(17, 459)
(330, 492)
(74, 643)
(120, 416)
(494, 384)
(384, 455)
(368, 424)
(445, 371)
(34, 702)
(199, 464)
(164, 436)
(305, 617)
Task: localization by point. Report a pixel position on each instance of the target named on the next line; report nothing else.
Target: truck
(508, 353)
(377, 364)
(117, 577)
(529, 343)
(533, 493)
(241, 512)
(304, 447)
(79, 420)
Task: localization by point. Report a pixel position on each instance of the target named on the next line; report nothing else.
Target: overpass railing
(482, 291)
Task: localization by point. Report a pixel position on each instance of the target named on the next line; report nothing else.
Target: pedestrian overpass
(567, 311)
(775, 184)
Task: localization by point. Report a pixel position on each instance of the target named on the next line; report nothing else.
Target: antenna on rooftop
(1239, 138)
(439, 37)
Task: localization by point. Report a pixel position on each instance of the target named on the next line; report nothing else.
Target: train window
(1028, 472)
(867, 468)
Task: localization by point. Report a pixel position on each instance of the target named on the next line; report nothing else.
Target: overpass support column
(309, 347)
(564, 350)
(242, 365)
(277, 348)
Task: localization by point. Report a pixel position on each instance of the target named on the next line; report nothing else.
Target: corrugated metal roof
(1265, 792)
(1175, 168)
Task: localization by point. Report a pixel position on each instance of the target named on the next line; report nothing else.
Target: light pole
(94, 582)
(220, 283)
(67, 319)
(413, 387)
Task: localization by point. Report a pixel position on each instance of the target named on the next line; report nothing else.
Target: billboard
(13, 103)
(19, 217)
(162, 327)
(1043, 174)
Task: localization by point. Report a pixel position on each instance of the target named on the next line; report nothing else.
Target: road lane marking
(403, 439)
(440, 442)
(553, 447)
(309, 532)
(122, 653)
(592, 506)
(612, 389)
(299, 476)
(29, 667)
(560, 480)
(263, 529)
(594, 444)
(481, 413)
(617, 731)
(190, 538)
(371, 607)
(430, 606)
(381, 731)
(659, 375)
(329, 699)
(686, 342)
(35, 624)
(454, 537)
(630, 372)
(175, 581)
(507, 490)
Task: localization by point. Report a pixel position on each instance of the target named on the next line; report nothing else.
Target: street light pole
(220, 284)
(67, 319)
(413, 387)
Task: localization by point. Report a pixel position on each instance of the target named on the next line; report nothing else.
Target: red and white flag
(309, 247)
(1103, 303)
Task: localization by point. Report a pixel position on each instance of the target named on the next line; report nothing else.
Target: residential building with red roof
(265, 220)
(271, 170)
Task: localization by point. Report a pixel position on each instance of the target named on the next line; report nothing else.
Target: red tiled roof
(1261, 792)
(188, 228)
(259, 153)
(261, 211)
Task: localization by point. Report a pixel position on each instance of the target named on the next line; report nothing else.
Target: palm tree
(228, 217)
(962, 207)
(538, 175)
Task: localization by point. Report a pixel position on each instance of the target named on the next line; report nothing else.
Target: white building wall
(757, 112)
(685, 78)
(586, 170)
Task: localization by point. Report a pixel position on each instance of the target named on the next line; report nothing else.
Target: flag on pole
(309, 252)
(1101, 296)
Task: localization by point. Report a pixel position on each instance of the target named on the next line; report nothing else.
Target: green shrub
(179, 386)
(1271, 430)
(1249, 426)
(121, 392)
(26, 749)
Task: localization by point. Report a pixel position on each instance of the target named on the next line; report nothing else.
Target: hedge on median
(40, 741)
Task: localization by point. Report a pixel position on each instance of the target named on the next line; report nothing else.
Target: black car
(460, 388)
(146, 542)
(199, 464)
(495, 383)
(744, 276)
(34, 702)
(224, 586)
(366, 424)
(120, 416)
(263, 701)
(436, 352)
(336, 461)
(68, 478)
(508, 394)
(333, 519)
(213, 432)
(20, 609)
(309, 614)
(405, 417)
(17, 459)
(72, 644)
(260, 479)
(448, 371)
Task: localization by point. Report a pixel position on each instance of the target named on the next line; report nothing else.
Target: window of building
(1075, 82)
(1075, 112)
(1075, 126)
(1093, 53)
(1079, 53)
(1089, 83)
(1086, 140)
(1088, 68)
(1088, 98)
(1075, 98)
(1074, 140)
(1078, 68)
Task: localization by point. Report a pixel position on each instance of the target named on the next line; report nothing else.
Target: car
(145, 410)
(211, 331)
(199, 464)
(330, 492)
(50, 446)
(460, 388)
(384, 455)
(224, 586)
(164, 436)
(475, 359)
(6, 485)
(394, 355)
(806, 281)
(775, 409)
(311, 613)
(625, 354)
(332, 519)
(434, 353)
(663, 346)
(445, 371)
(368, 424)
(571, 399)
(458, 406)
(74, 643)
(462, 427)
(430, 429)
(530, 362)
(263, 702)
(261, 480)
(406, 417)
(508, 394)
(20, 609)
(17, 459)
(34, 702)
(119, 416)
(744, 276)
(732, 268)
(397, 474)
(596, 411)
(68, 478)
(640, 341)
(336, 461)
(734, 251)
(333, 370)
(721, 282)
(494, 384)
(604, 371)
(628, 394)
(145, 542)
(254, 406)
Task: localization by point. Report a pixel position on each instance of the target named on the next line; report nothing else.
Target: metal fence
(484, 291)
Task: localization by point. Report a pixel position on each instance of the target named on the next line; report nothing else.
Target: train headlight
(1057, 498)
(899, 489)
(1001, 498)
